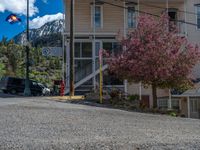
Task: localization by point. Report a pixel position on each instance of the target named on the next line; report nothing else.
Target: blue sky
(40, 11)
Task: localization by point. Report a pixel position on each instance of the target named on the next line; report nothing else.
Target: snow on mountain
(48, 29)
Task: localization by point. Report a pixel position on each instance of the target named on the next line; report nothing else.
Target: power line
(181, 21)
(154, 6)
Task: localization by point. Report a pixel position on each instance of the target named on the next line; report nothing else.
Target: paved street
(36, 123)
(6, 99)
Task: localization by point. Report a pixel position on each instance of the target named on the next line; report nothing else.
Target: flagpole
(27, 91)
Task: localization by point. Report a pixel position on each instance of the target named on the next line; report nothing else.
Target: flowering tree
(155, 55)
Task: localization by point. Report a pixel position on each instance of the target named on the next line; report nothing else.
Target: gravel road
(38, 124)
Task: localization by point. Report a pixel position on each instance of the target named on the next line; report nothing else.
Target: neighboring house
(189, 103)
(99, 24)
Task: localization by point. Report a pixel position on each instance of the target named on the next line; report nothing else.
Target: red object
(62, 88)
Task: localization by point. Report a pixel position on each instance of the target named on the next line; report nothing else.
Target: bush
(173, 114)
(133, 97)
(115, 94)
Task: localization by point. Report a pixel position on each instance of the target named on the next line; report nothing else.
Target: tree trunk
(154, 94)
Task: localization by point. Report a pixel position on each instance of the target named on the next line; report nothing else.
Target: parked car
(15, 86)
(46, 91)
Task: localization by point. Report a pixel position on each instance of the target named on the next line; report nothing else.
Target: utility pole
(72, 48)
(27, 91)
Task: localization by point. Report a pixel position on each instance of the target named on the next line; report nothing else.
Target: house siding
(134, 89)
(193, 33)
(112, 18)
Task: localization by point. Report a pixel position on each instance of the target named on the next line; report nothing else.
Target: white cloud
(40, 21)
(18, 6)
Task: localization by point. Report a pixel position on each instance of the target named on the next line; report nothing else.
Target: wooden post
(188, 106)
(170, 100)
(72, 48)
(100, 76)
(140, 91)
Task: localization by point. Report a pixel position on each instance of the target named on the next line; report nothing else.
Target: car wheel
(13, 92)
(47, 94)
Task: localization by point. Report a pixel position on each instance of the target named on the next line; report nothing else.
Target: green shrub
(133, 97)
(173, 114)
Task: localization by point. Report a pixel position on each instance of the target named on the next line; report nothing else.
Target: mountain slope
(49, 34)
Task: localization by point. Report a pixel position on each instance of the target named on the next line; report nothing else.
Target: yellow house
(101, 23)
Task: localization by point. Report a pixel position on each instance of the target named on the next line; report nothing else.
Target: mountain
(47, 35)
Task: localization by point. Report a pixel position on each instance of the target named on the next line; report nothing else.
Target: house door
(194, 107)
(111, 47)
(145, 101)
(83, 60)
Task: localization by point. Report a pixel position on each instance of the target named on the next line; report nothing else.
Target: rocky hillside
(47, 35)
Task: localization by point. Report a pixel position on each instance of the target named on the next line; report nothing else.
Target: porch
(190, 103)
(86, 58)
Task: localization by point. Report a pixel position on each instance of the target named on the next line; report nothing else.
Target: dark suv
(15, 85)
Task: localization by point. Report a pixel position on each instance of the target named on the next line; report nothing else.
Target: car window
(41, 85)
(34, 83)
(16, 81)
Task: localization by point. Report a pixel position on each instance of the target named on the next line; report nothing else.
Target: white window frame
(127, 18)
(163, 103)
(196, 10)
(193, 108)
(81, 54)
(93, 13)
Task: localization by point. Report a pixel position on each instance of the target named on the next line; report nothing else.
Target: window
(112, 47)
(97, 48)
(108, 46)
(172, 13)
(97, 16)
(198, 16)
(131, 17)
(86, 49)
(194, 105)
(83, 68)
(83, 50)
(77, 49)
(16, 81)
(163, 103)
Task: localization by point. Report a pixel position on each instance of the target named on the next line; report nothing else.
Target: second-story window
(97, 16)
(172, 13)
(198, 16)
(131, 17)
